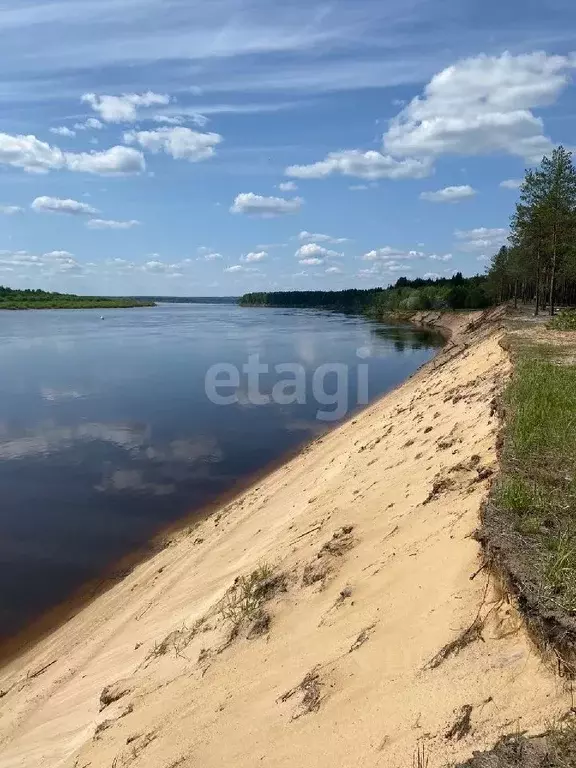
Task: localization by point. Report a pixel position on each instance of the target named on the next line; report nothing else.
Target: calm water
(106, 432)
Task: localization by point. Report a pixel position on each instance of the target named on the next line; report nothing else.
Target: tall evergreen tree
(542, 234)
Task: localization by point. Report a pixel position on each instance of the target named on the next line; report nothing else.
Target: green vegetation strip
(37, 299)
(537, 488)
(406, 295)
(529, 521)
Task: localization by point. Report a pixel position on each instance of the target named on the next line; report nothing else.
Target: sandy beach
(375, 629)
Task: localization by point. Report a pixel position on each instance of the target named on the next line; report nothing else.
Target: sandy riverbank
(395, 494)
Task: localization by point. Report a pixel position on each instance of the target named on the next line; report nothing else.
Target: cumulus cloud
(180, 143)
(311, 262)
(482, 105)
(90, 124)
(46, 204)
(124, 108)
(481, 238)
(441, 257)
(333, 271)
(255, 256)
(449, 194)
(511, 183)
(51, 263)
(392, 254)
(316, 252)
(62, 130)
(160, 267)
(264, 207)
(111, 224)
(116, 161)
(10, 210)
(30, 154)
(288, 186)
(35, 156)
(209, 254)
(318, 237)
(431, 276)
(364, 165)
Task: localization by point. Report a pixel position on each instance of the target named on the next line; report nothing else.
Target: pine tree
(554, 193)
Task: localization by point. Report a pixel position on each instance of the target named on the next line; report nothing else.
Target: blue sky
(210, 148)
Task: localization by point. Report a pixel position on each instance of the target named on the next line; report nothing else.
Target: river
(113, 426)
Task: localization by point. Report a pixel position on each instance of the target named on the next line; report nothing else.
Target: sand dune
(364, 634)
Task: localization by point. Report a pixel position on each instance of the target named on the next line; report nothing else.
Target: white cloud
(511, 183)
(315, 251)
(441, 257)
(180, 143)
(358, 187)
(209, 254)
(482, 105)
(240, 268)
(46, 264)
(392, 254)
(169, 119)
(311, 262)
(481, 238)
(333, 271)
(35, 156)
(364, 165)
(264, 207)
(10, 210)
(124, 108)
(62, 130)
(29, 153)
(449, 194)
(111, 224)
(288, 186)
(116, 161)
(431, 276)
(91, 123)
(46, 204)
(160, 267)
(255, 256)
(317, 237)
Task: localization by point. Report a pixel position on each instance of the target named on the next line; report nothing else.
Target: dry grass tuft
(310, 690)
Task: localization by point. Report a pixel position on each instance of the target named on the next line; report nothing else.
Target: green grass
(564, 321)
(538, 481)
(246, 597)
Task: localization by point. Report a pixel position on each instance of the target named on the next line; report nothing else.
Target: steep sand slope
(364, 618)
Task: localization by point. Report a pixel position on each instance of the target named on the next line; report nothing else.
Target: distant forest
(191, 299)
(537, 267)
(406, 295)
(37, 299)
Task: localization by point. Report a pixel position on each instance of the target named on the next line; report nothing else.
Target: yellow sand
(373, 699)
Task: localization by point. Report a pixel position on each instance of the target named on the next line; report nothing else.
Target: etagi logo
(330, 384)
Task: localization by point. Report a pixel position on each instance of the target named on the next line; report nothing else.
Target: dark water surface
(107, 434)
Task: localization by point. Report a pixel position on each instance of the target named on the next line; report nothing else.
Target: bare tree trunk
(537, 311)
(553, 271)
(516, 293)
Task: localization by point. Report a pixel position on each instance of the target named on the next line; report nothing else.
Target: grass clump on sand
(537, 487)
(245, 599)
(554, 749)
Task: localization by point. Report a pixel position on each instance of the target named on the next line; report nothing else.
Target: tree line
(406, 295)
(34, 298)
(539, 263)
